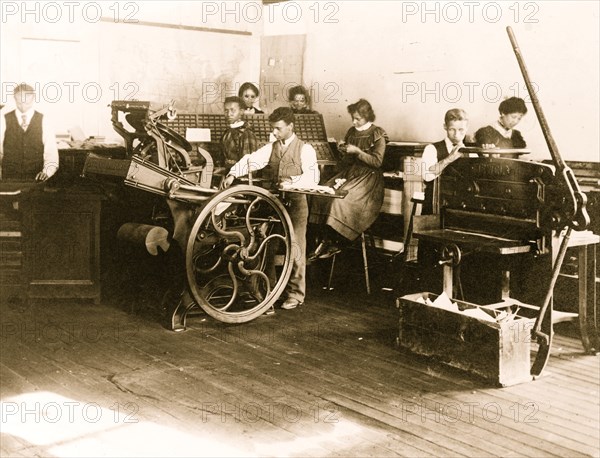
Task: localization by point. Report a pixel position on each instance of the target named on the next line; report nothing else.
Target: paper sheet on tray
(316, 188)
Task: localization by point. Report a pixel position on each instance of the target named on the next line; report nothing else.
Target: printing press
(235, 244)
(501, 218)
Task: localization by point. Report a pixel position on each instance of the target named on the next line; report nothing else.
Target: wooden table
(56, 239)
(586, 243)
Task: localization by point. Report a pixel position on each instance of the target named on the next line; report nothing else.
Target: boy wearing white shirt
(437, 156)
(28, 148)
(295, 162)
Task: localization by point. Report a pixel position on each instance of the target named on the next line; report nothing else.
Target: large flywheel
(239, 254)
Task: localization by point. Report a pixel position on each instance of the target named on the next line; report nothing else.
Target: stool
(363, 246)
(401, 250)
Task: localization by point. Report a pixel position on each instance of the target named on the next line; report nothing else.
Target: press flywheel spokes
(238, 257)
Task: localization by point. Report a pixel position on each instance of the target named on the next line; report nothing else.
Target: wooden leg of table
(588, 319)
(448, 279)
(505, 284)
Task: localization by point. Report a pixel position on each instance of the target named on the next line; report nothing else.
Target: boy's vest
(23, 150)
(286, 164)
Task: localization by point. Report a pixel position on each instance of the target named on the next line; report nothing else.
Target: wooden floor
(325, 379)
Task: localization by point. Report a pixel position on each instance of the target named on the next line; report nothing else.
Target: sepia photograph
(305, 228)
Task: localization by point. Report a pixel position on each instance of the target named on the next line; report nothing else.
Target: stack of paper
(444, 302)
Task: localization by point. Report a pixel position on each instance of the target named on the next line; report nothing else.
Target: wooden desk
(71, 160)
(586, 244)
(587, 303)
(61, 232)
(471, 242)
(52, 249)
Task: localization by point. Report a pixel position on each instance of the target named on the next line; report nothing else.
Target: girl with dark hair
(502, 134)
(300, 100)
(249, 93)
(343, 220)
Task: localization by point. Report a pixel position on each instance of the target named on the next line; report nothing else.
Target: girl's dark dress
(237, 142)
(356, 212)
(489, 135)
(253, 110)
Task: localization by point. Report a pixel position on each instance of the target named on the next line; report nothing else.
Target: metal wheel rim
(202, 295)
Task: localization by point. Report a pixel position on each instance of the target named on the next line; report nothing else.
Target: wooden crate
(496, 351)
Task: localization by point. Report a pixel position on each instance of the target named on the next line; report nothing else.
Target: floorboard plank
(325, 379)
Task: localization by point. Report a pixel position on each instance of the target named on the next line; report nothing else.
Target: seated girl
(502, 134)
(343, 220)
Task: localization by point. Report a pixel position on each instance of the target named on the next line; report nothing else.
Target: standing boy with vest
(292, 161)
(28, 148)
(437, 156)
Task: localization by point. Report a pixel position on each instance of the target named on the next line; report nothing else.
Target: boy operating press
(437, 156)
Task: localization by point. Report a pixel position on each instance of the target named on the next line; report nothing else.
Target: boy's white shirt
(429, 159)
(259, 159)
